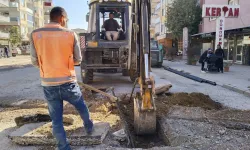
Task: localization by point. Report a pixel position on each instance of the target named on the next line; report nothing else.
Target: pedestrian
(55, 50)
(203, 59)
(6, 51)
(220, 54)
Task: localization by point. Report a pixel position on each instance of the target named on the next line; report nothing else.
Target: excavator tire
(144, 120)
(87, 75)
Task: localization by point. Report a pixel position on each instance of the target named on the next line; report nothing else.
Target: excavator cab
(100, 53)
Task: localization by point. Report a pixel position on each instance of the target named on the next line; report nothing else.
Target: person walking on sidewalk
(6, 51)
(220, 54)
(55, 50)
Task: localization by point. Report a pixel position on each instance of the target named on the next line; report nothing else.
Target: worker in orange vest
(55, 50)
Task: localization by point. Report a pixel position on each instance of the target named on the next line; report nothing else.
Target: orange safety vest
(54, 47)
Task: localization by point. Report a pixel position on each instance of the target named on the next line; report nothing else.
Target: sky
(76, 10)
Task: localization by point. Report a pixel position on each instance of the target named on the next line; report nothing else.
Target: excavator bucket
(144, 120)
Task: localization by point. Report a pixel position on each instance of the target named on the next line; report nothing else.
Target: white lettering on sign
(220, 25)
(228, 11)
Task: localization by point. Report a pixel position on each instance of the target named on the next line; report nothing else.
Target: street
(21, 85)
(24, 84)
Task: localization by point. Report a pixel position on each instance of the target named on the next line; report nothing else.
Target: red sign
(221, 11)
(47, 4)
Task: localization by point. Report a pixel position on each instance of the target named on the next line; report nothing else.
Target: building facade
(26, 14)
(159, 30)
(4, 20)
(237, 32)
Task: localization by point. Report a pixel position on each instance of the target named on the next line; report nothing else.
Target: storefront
(236, 44)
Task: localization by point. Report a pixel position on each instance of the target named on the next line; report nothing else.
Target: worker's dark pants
(7, 54)
(220, 64)
(55, 96)
(202, 66)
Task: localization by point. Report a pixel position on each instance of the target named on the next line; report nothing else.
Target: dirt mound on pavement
(185, 99)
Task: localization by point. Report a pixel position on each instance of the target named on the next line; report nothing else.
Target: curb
(235, 89)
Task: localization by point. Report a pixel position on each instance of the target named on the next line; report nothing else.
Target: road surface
(24, 84)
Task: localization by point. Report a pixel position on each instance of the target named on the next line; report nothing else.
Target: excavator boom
(144, 106)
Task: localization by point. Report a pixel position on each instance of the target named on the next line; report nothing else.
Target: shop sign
(220, 25)
(228, 11)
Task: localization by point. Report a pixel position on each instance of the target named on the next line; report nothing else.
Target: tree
(183, 13)
(15, 36)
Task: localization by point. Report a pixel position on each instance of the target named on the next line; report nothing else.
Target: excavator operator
(55, 50)
(111, 26)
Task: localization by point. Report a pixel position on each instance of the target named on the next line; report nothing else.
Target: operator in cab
(112, 27)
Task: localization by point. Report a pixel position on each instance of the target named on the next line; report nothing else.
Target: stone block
(24, 136)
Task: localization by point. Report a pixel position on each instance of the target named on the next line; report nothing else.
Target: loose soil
(103, 110)
(163, 103)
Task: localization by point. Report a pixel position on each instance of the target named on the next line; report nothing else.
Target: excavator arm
(144, 106)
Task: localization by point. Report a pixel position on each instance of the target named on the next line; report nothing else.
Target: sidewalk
(237, 79)
(19, 60)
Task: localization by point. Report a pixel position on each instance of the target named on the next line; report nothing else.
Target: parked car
(179, 53)
(156, 54)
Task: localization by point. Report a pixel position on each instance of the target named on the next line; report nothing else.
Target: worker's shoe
(203, 71)
(89, 127)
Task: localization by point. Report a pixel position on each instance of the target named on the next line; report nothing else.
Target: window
(22, 16)
(163, 12)
(158, 6)
(162, 28)
(212, 18)
(22, 3)
(233, 2)
(29, 17)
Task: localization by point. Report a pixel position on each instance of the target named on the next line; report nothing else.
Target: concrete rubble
(24, 135)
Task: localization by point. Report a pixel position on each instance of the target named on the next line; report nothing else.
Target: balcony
(12, 7)
(30, 24)
(4, 18)
(4, 2)
(29, 10)
(4, 35)
(14, 21)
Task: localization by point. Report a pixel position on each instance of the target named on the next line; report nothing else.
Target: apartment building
(237, 32)
(26, 14)
(4, 19)
(158, 23)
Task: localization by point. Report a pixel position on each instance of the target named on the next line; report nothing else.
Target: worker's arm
(33, 53)
(77, 51)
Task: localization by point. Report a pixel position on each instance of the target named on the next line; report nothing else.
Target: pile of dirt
(187, 100)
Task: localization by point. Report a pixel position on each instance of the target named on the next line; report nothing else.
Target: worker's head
(111, 15)
(59, 15)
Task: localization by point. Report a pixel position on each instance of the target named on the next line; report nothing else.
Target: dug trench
(193, 108)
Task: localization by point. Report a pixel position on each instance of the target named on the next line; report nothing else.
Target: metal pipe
(192, 77)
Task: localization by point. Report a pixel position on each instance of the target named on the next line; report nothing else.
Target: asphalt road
(24, 84)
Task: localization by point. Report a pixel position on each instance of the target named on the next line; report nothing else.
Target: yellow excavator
(130, 52)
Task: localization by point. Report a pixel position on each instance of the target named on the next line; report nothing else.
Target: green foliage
(15, 36)
(183, 13)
